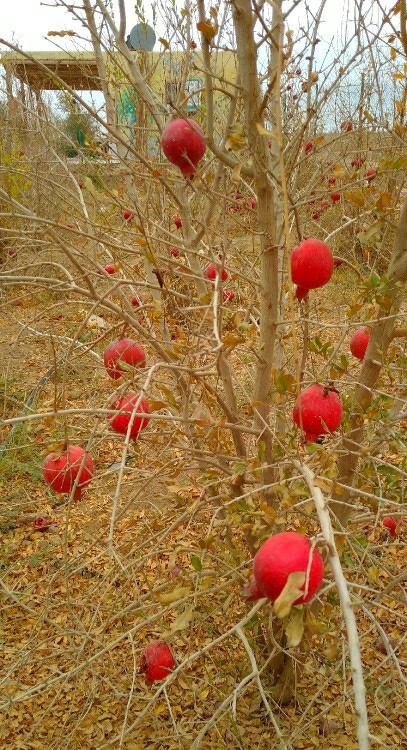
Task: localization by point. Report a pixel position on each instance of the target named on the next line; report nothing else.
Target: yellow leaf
(294, 629)
(290, 593)
(163, 42)
(355, 197)
(231, 339)
(368, 116)
(183, 620)
(339, 170)
(393, 53)
(208, 29)
(174, 596)
(263, 131)
(235, 140)
(140, 241)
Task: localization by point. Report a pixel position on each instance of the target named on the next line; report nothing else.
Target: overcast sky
(28, 21)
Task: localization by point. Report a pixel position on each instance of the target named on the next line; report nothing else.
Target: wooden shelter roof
(78, 70)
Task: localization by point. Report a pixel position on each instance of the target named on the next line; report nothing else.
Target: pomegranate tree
(183, 144)
(359, 341)
(312, 264)
(123, 351)
(281, 555)
(61, 469)
(125, 407)
(317, 411)
(156, 661)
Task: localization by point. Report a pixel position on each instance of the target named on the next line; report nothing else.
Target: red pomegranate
(312, 264)
(41, 523)
(80, 184)
(359, 341)
(308, 147)
(177, 221)
(11, 253)
(123, 350)
(392, 524)
(125, 406)
(317, 411)
(316, 215)
(331, 180)
(283, 554)
(157, 661)
(127, 215)
(183, 144)
(370, 174)
(228, 295)
(60, 470)
(300, 292)
(174, 251)
(358, 162)
(347, 127)
(135, 301)
(335, 197)
(212, 271)
(109, 268)
(251, 202)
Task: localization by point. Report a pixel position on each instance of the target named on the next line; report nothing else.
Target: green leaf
(196, 563)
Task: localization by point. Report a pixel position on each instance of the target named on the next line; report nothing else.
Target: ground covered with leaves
(80, 600)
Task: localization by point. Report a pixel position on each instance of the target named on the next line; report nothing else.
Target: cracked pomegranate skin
(120, 423)
(124, 350)
(157, 661)
(60, 471)
(183, 144)
(319, 407)
(312, 264)
(281, 555)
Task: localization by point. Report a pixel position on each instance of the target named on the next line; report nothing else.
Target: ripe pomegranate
(80, 184)
(157, 661)
(331, 180)
(212, 271)
(316, 215)
(335, 197)
(359, 341)
(228, 295)
(251, 202)
(177, 221)
(125, 406)
(358, 162)
(183, 144)
(308, 147)
(128, 215)
(318, 411)
(312, 264)
(135, 301)
(123, 350)
(61, 469)
(347, 127)
(370, 174)
(300, 292)
(109, 268)
(174, 251)
(41, 523)
(392, 524)
(283, 554)
(11, 253)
